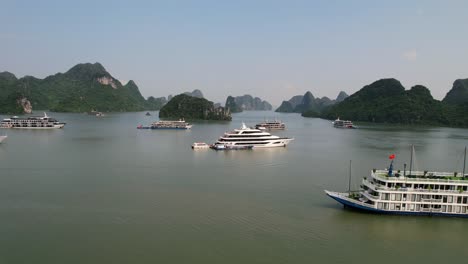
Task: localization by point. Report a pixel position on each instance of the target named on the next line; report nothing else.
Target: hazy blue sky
(270, 49)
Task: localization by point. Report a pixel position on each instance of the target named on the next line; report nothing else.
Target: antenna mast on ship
(464, 163)
(411, 160)
(349, 178)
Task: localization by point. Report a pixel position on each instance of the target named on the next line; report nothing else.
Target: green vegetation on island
(184, 106)
(387, 101)
(81, 89)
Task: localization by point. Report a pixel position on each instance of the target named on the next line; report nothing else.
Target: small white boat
(200, 145)
(2, 138)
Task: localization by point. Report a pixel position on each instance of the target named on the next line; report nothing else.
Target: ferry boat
(343, 123)
(271, 125)
(31, 122)
(410, 193)
(256, 138)
(180, 124)
(2, 138)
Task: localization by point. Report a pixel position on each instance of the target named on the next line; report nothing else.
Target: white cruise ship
(410, 193)
(162, 124)
(271, 125)
(256, 138)
(343, 124)
(31, 122)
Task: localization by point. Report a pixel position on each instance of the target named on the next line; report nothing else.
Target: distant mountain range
(308, 103)
(246, 103)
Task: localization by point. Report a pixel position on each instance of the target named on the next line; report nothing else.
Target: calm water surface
(101, 191)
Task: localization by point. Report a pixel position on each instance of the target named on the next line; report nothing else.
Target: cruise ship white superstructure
(417, 193)
(31, 122)
(256, 138)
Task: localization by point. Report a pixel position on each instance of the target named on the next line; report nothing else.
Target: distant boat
(31, 122)
(2, 138)
(343, 123)
(200, 145)
(96, 113)
(271, 125)
(147, 114)
(180, 124)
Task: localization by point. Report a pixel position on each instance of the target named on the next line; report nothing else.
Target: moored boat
(200, 145)
(165, 124)
(409, 193)
(31, 122)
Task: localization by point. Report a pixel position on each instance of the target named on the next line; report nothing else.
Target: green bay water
(101, 191)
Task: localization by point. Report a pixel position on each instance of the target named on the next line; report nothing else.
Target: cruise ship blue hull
(359, 207)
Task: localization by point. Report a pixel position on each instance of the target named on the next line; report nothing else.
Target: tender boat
(200, 145)
(31, 122)
(271, 125)
(256, 138)
(409, 193)
(2, 138)
(180, 124)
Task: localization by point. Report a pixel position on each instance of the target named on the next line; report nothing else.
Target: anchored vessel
(410, 193)
(200, 145)
(32, 122)
(256, 138)
(271, 125)
(181, 124)
(343, 124)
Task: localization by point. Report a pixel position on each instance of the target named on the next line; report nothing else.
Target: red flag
(391, 156)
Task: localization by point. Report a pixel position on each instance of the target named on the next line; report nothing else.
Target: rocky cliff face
(25, 104)
(104, 80)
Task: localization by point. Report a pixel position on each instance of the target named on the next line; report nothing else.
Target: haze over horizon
(270, 49)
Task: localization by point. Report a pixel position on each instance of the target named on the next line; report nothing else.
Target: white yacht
(163, 124)
(31, 122)
(409, 193)
(256, 138)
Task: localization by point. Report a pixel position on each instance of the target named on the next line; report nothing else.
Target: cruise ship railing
(423, 177)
